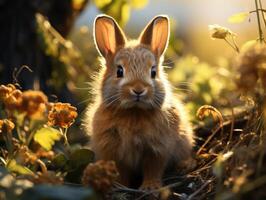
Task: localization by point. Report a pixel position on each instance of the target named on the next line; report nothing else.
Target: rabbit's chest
(135, 141)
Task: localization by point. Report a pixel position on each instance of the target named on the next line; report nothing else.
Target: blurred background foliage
(199, 68)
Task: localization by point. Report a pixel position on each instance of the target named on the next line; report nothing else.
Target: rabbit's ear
(108, 36)
(156, 34)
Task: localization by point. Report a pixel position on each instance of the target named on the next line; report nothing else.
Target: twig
(253, 11)
(190, 197)
(209, 138)
(128, 190)
(206, 166)
(232, 123)
(174, 177)
(259, 25)
(261, 154)
(158, 190)
(17, 72)
(262, 13)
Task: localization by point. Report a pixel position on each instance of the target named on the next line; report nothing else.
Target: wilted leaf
(206, 110)
(238, 18)
(138, 4)
(14, 167)
(46, 137)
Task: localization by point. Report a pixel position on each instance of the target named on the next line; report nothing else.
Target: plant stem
(262, 13)
(8, 141)
(259, 25)
(42, 165)
(231, 45)
(64, 133)
(236, 47)
(28, 140)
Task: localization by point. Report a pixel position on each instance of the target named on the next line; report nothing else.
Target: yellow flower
(62, 115)
(219, 32)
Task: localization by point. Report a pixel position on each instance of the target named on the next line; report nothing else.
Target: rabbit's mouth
(137, 102)
(137, 99)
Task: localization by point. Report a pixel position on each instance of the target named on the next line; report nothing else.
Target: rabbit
(135, 120)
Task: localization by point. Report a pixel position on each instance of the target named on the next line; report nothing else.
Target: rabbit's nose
(139, 92)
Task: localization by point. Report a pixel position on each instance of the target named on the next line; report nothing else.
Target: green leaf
(78, 160)
(81, 157)
(60, 160)
(14, 167)
(46, 137)
(138, 4)
(238, 18)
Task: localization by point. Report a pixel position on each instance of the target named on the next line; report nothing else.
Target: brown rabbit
(135, 120)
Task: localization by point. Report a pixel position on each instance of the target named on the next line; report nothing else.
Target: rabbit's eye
(153, 72)
(120, 71)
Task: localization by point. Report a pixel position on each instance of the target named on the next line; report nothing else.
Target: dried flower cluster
(10, 96)
(62, 115)
(29, 102)
(251, 66)
(100, 175)
(6, 125)
(33, 102)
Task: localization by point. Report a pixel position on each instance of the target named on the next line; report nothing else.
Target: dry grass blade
(193, 195)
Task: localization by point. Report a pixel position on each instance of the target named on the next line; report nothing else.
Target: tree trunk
(19, 43)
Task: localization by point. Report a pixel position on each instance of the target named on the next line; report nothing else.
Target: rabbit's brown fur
(140, 133)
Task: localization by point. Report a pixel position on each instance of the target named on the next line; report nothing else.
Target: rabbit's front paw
(186, 166)
(149, 185)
